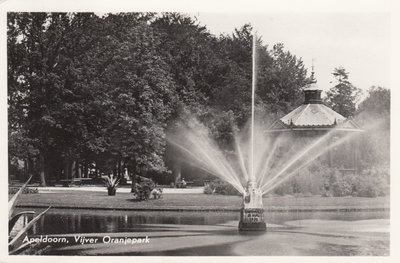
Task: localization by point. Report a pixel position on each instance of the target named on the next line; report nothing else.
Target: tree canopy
(108, 89)
(343, 96)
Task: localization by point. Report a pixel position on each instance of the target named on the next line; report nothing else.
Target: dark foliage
(220, 187)
(142, 190)
(28, 190)
(85, 89)
(370, 182)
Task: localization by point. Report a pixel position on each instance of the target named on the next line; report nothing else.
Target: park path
(194, 190)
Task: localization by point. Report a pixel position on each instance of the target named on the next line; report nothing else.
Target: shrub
(341, 185)
(157, 193)
(224, 188)
(371, 183)
(327, 181)
(208, 189)
(284, 189)
(27, 190)
(311, 181)
(142, 190)
(220, 187)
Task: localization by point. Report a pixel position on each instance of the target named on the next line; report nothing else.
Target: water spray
(252, 212)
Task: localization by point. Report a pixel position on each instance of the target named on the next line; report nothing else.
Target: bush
(341, 185)
(220, 187)
(284, 189)
(28, 190)
(142, 190)
(327, 181)
(306, 182)
(371, 183)
(208, 189)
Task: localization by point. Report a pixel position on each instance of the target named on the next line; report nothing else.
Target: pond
(214, 233)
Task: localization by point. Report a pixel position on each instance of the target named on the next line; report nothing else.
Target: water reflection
(62, 221)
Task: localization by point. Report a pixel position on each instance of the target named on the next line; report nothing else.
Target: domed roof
(313, 115)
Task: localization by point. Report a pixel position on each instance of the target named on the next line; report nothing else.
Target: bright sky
(358, 42)
(360, 35)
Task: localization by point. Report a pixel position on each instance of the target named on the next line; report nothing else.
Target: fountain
(256, 168)
(252, 212)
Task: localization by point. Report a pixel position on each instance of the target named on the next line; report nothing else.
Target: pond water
(215, 233)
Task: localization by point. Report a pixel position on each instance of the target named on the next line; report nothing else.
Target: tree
(280, 80)
(279, 76)
(133, 91)
(233, 92)
(343, 96)
(86, 89)
(30, 76)
(373, 114)
(376, 105)
(46, 81)
(189, 52)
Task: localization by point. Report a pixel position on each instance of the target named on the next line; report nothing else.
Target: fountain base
(252, 219)
(252, 212)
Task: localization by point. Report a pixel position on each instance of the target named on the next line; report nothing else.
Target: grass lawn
(100, 200)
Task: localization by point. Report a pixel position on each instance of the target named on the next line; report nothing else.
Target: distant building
(314, 119)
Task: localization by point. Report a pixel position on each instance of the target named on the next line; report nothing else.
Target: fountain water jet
(270, 168)
(252, 212)
(260, 162)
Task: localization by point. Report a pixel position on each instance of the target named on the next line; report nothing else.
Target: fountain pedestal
(252, 212)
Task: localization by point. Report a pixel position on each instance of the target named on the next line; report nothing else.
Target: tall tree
(281, 80)
(233, 92)
(136, 90)
(373, 114)
(48, 78)
(189, 52)
(376, 105)
(107, 89)
(343, 96)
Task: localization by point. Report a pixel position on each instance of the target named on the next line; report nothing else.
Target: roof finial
(313, 80)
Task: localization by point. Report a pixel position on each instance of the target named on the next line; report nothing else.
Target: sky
(359, 42)
(354, 34)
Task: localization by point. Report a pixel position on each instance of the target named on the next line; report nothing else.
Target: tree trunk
(133, 182)
(26, 171)
(177, 172)
(85, 170)
(73, 169)
(58, 174)
(119, 169)
(79, 170)
(132, 173)
(114, 171)
(66, 169)
(41, 171)
(9, 167)
(31, 166)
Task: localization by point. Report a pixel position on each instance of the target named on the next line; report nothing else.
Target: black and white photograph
(159, 132)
